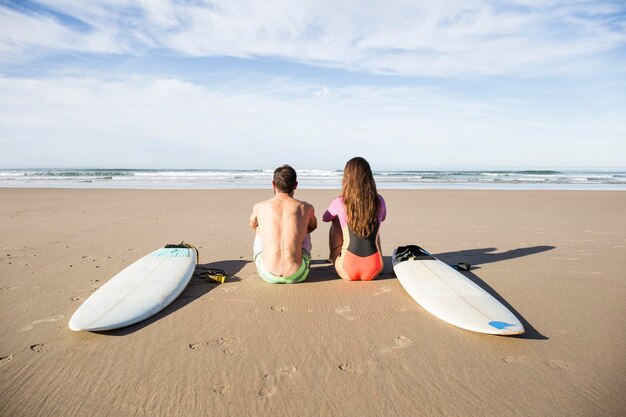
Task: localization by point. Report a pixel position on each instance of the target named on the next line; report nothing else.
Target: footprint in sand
(221, 389)
(229, 345)
(351, 368)
(519, 359)
(558, 364)
(383, 289)
(267, 391)
(5, 359)
(47, 320)
(399, 343)
(356, 368)
(344, 311)
(272, 380)
(280, 309)
(39, 347)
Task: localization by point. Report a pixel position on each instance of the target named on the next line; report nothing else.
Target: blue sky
(252, 84)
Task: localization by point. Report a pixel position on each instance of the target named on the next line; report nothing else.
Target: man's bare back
(282, 223)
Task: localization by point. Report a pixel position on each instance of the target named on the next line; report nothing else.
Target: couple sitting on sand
(282, 245)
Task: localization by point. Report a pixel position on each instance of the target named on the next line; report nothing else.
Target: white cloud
(140, 121)
(451, 38)
(82, 115)
(322, 92)
(27, 33)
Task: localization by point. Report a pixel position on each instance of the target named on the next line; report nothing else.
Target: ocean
(312, 179)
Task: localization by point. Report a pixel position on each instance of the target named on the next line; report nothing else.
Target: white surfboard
(450, 296)
(139, 291)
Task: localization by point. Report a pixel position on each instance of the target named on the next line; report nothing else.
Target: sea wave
(311, 178)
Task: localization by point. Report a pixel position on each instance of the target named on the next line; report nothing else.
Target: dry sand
(324, 347)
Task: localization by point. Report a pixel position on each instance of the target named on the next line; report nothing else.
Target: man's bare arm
(254, 222)
(312, 221)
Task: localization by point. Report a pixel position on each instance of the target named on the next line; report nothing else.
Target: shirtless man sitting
(282, 245)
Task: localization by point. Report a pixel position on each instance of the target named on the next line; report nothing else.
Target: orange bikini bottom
(362, 268)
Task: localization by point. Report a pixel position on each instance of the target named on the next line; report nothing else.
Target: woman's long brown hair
(360, 197)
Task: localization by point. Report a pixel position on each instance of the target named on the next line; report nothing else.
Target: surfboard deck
(449, 295)
(138, 292)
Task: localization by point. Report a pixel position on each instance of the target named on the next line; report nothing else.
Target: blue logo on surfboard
(500, 325)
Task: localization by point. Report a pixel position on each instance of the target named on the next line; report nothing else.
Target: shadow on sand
(321, 270)
(486, 255)
(197, 287)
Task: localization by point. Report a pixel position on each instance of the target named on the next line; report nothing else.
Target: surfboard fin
(463, 266)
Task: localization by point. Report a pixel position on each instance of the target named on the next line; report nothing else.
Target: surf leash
(184, 245)
(215, 274)
(204, 272)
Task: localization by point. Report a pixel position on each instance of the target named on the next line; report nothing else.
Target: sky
(254, 84)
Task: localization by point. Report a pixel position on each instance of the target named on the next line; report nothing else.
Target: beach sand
(325, 347)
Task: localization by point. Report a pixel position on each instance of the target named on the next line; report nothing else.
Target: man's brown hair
(285, 179)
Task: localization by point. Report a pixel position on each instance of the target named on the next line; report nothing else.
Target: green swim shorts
(298, 276)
